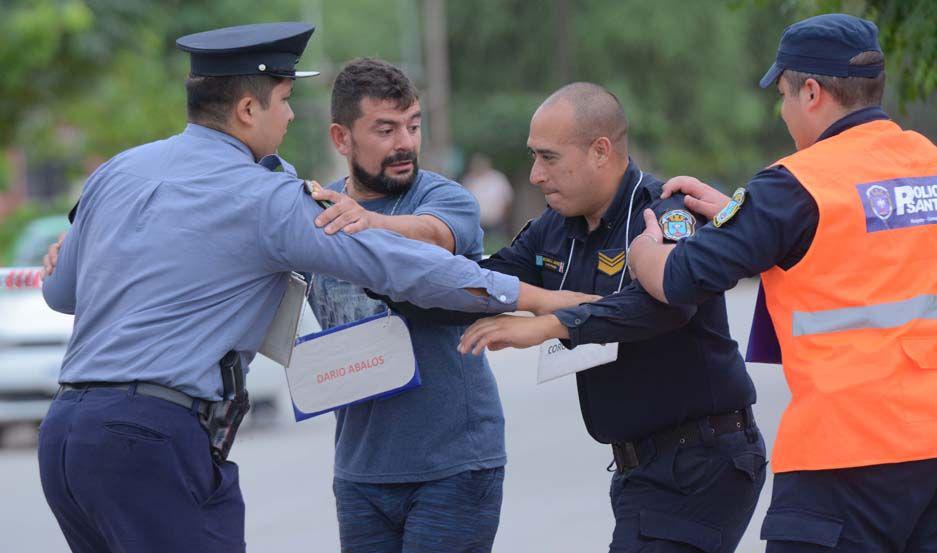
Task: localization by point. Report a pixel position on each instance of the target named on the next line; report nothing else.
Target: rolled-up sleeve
(457, 209)
(631, 315)
(403, 269)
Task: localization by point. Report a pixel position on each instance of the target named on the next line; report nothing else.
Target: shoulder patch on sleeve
(520, 232)
(310, 186)
(731, 208)
(677, 224)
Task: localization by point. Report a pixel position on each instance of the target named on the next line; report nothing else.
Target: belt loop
(132, 389)
(707, 432)
(196, 403)
(751, 431)
(649, 446)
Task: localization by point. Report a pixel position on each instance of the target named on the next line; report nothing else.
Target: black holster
(225, 416)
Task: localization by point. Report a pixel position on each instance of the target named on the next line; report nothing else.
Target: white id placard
(281, 336)
(557, 361)
(359, 361)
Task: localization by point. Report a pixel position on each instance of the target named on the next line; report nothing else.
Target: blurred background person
(495, 197)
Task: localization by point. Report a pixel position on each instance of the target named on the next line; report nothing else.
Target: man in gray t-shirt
(421, 470)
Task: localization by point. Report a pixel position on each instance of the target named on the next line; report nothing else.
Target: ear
(601, 150)
(244, 111)
(812, 94)
(341, 138)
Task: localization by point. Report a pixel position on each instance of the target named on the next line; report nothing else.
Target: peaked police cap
(259, 49)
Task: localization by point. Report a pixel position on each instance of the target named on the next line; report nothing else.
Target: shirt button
(502, 298)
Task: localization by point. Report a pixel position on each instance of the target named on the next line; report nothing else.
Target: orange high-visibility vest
(856, 318)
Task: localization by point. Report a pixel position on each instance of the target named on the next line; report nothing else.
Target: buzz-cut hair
(597, 113)
(369, 78)
(850, 92)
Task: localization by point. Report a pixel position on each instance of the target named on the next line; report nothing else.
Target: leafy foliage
(84, 79)
(908, 33)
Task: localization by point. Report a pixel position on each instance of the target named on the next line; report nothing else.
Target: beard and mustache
(382, 183)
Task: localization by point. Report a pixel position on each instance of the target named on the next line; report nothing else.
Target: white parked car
(32, 344)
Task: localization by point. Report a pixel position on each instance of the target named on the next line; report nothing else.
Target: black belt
(146, 389)
(629, 455)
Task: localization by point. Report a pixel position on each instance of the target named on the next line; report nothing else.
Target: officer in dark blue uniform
(675, 405)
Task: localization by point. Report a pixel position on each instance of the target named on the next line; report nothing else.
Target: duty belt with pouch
(630, 455)
(225, 416)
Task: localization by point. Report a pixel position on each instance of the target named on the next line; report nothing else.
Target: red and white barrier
(20, 277)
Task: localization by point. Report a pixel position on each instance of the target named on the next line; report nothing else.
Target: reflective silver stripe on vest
(883, 315)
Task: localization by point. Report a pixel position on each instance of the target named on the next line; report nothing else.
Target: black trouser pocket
(661, 526)
(794, 525)
(752, 464)
(135, 431)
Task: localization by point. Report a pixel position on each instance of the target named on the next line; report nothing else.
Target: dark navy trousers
(875, 509)
(130, 473)
(690, 499)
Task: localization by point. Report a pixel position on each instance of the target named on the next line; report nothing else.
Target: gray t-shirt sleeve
(376, 259)
(455, 206)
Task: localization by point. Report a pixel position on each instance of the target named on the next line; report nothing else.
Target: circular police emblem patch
(677, 224)
(880, 201)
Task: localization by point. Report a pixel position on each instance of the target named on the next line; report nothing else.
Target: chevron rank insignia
(611, 262)
(731, 208)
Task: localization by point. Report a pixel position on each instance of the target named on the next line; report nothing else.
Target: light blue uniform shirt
(453, 422)
(180, 252)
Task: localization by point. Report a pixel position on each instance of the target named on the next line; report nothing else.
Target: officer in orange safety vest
(844, 234)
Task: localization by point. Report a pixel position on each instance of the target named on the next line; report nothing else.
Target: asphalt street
(555, 491)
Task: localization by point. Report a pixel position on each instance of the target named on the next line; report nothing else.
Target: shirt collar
(200, 131)
(273, 162)
(578, 228)
(858, 117)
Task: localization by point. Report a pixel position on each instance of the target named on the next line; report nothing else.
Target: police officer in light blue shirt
(180, 251)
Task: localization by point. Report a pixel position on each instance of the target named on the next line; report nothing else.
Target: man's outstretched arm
(387, 263)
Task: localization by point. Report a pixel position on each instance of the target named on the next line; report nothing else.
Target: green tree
(686, 73)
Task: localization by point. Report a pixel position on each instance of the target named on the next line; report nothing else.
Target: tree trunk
(436, 100)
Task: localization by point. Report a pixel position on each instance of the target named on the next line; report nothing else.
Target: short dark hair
(369, 78)
(209, 100)
(597, 112)
(851, 92)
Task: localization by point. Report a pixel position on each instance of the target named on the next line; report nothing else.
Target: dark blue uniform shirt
(775, 226)
(674, 363)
